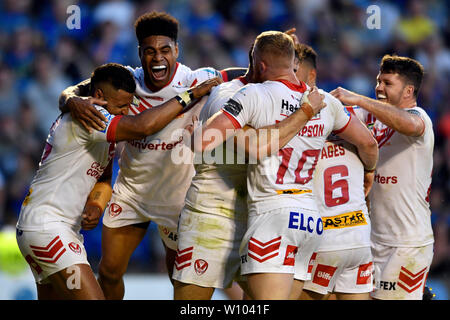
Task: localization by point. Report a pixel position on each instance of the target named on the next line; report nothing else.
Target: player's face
(158, 58)
(302, 72)
(118, 101)
(390, 87)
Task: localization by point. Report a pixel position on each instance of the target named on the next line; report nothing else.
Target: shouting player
(402, 236)
(284, 226)
(342, 263)
(72, 162)
(150, 186)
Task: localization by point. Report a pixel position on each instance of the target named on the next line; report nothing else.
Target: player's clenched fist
(315, 100)
(90, 217)
(345, 96)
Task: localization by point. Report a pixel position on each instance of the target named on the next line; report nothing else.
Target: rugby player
(402, 236)
(72, 162)
(284, 226)
(150, 186)
(342, 264)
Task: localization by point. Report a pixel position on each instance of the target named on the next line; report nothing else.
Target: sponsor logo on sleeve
(233, 107)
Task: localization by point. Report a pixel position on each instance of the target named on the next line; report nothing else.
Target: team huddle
(331, 200)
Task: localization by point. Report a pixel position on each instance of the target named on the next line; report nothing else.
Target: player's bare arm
(76, 100)
(358, 135)
(311, 104)
(394, 117)
(97, 200)
(153, 120)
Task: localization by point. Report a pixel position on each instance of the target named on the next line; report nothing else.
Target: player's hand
(90, 217)
(316, 100)
(368, 182)
(205, 87)
(191, 127)
(83, 110)
(347, 97)
(291, 32)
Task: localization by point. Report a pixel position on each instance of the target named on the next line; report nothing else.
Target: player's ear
(176, 50)
(98, 93)
(408, 92)
(312, 76)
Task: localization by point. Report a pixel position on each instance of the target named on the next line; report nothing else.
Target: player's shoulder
(103, 111)
(418, 111)
(197, 75)
(330, 99)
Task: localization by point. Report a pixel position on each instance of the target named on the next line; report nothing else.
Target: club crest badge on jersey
(200, 266)
(75, 247)
(114, 210)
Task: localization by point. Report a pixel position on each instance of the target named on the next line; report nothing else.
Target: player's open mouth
(159, 72)
(381, 96)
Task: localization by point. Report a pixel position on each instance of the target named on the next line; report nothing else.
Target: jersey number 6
(330, 186)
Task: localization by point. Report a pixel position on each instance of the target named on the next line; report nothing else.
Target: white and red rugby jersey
(71, 164)
(148, 176)
(284, 179)
(219, 189)
(400, 209)
(339, 189)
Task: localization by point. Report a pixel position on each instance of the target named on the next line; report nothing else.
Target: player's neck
(407, 104)
(287, 75)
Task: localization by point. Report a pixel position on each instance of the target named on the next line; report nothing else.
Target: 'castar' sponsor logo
(349, 219)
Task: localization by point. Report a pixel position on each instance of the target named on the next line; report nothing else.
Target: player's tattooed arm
(400, 120)
(97, 200)
(76, 100)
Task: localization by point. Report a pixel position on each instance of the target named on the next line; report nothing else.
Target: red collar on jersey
(295, 87)
(243, 80)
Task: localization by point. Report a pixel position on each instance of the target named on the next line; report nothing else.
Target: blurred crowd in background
(40, 56)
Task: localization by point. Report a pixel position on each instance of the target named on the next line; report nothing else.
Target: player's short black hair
(305, 53)
(116, 75)
(156, 24)
(411, 70)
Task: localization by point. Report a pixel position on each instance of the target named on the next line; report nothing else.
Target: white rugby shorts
(343, 271)
(50, 251)
(208, 249)
(121, 212)
(281, 241)
(400, 272)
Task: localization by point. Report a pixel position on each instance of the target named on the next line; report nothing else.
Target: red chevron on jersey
(144, 105)
(311, 262)
(409, 281)
(382, 136)
(51, 253)
(183, 258)
(33, 264)
(262, 251)
(323, 274)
